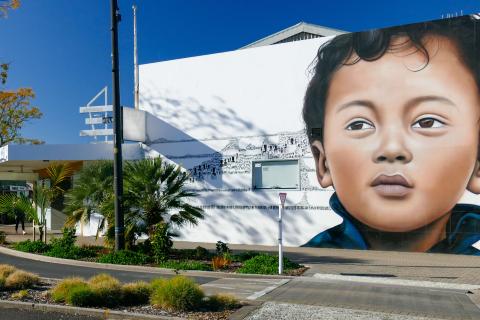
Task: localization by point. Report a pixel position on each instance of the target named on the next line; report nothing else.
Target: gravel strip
(286, 311)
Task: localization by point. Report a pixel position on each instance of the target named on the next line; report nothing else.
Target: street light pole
(118, 133)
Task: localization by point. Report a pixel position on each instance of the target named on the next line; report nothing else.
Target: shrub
(136, 293)
(68, 238)
(21, 280)
(3, 237)
(220, 302)
(266, 264)
(161, 242)
(20, 295)
(61, 292)
(185, 265)
(107, 289)
(158, 283)
(202, 253)
(6, 270)
(83, 297)
(124, 257)
(74, 253)
(222, 248)
(64, 247)
(32, 246)
(221, 262)
(144, 247)
(244, 256)
(177, 294)
(2, 283)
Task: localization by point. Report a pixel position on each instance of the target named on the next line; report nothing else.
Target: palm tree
(92, 192)
(11, 203)
(49, 190)
(154, 192)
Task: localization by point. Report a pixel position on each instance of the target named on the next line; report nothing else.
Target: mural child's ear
(474, 183)
(323, 172)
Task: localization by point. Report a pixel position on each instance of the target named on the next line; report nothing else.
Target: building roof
(300, 31)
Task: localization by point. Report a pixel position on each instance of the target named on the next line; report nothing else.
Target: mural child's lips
(392, 190)
(391, 185)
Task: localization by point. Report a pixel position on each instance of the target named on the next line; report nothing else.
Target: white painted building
(233, 119)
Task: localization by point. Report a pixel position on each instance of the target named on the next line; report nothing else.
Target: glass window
(275, 174)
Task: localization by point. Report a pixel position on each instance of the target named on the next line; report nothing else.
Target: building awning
(26, 162)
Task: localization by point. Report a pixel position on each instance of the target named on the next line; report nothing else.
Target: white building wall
(229, 106)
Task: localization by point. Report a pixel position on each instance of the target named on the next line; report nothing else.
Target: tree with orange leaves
(15, 108)
(8, 4)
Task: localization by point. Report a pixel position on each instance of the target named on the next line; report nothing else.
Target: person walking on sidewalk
(19, 218)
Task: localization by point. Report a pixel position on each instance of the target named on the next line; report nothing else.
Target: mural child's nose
(392, 148)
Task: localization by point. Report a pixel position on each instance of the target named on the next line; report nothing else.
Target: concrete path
(243, 288)
(391, 299)
(288, 311)
(380, 264)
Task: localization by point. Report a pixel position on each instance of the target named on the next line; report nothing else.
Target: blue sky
(61, 48)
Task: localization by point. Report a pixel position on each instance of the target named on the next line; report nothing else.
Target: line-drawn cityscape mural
(239, 153)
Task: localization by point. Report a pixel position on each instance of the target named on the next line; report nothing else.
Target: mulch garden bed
(39, 295)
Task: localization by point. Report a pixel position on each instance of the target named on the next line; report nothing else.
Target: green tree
(15, 105)
(92, 192)
(154, 193)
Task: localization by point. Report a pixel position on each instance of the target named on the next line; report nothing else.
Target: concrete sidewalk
(379, 264)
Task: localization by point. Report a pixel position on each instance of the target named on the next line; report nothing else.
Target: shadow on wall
(192, 134)
(215, 120)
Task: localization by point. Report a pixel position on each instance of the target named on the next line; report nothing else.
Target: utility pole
(117, 133)
(135, 57)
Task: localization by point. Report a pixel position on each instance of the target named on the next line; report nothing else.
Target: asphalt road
(406, 300)
(59, 271)
(9, 314)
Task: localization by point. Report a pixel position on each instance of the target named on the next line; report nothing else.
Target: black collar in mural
(463, 230)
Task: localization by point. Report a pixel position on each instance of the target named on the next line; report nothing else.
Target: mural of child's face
(401, 137)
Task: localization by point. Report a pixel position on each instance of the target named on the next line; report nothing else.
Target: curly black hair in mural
(371, 45)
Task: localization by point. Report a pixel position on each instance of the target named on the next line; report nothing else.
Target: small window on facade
(275, 174)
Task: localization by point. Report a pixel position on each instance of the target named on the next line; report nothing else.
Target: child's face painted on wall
(400, 146)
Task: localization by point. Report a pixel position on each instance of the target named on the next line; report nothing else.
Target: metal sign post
(281, 207)
(118, 134)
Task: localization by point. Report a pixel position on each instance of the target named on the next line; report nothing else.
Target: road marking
(263, 292)
(217, 286)
(398, 282)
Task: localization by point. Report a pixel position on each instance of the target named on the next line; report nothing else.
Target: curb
(145, 269)
(103, 314)
(246, 310)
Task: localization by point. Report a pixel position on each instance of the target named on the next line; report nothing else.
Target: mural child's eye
(360, 125)
(427, 123)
